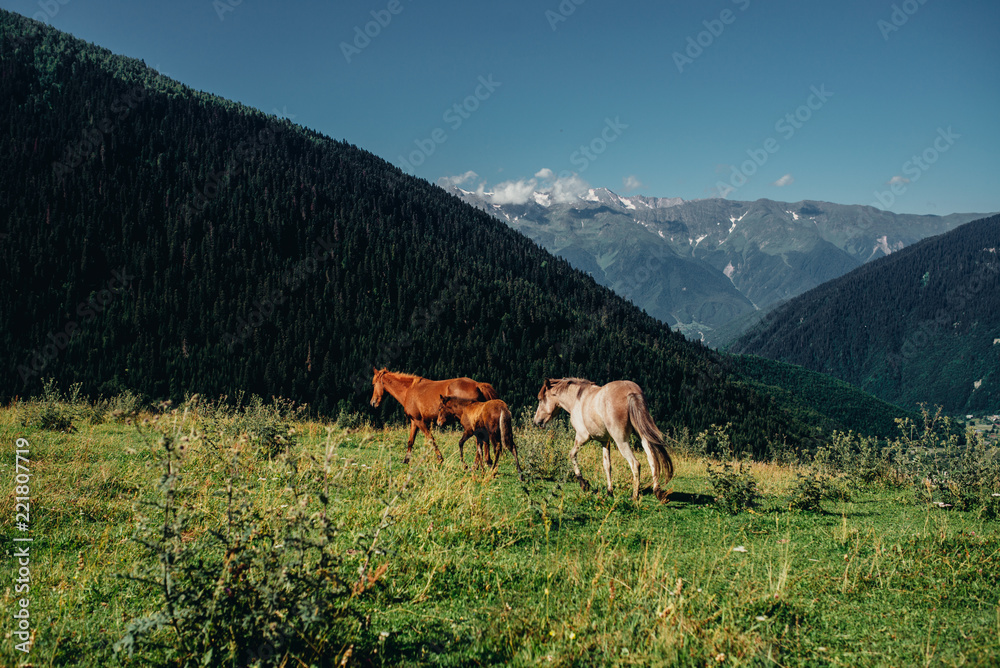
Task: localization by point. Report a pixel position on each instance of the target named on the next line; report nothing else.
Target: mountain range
(708, 268)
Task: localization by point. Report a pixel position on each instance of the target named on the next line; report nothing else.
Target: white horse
(602, 413)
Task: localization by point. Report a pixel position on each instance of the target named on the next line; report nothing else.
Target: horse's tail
(507, 440)
(487, 392)
(506, 431)
(643, 423)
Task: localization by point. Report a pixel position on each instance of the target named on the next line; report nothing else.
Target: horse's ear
(549, 383)
(374, 371)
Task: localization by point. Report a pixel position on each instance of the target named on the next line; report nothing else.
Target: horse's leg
(606, 452)
(580, 440)
(497, 449)
(430, 437)
(625, 448)
(409, 442)
(482, 455)
(654, 471)
(476, 460)
(461, 450)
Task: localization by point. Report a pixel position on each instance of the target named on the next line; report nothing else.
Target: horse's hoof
(584, 485)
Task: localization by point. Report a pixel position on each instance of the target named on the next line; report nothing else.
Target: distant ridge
(706, 266)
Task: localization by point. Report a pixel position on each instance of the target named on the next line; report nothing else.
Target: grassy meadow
(200, 536)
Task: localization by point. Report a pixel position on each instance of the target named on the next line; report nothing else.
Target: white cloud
(784, 181)
(457, 180)
(897, 179)
(568, 189)
(514, 192)
(631, 182)
(564, 188)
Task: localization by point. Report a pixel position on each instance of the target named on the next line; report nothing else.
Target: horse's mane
(565, 383)
(399, 375)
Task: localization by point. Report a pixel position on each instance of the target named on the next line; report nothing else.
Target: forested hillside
(922, 325)
(167, 241)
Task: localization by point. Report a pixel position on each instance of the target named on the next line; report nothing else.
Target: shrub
(735, 490)
(56, 411)
(256, 588)
(714, 442)
(265, 429)
(348, 419)
(122, 406)
(973, 483)
(810, 489)
(544, 453)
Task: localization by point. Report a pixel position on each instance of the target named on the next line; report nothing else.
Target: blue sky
(859, 101)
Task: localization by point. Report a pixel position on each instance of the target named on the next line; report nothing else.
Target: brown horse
(420, 397)
(602, 413)
(488, 421)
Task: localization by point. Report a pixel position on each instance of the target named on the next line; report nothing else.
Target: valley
(709, 267)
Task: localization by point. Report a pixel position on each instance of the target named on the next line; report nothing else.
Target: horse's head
(547, 403)
(443, 411)
(378, 389)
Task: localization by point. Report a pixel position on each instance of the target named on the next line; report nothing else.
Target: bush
(974, 480)
(123, 406)
(56, 411)
(810, 489)
(264, 429)
(735, 490)
(256, 588)
(544, 453)
(348, 419)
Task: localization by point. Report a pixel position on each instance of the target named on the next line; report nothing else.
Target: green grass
(482, 570)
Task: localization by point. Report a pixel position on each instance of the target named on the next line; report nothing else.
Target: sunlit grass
(481, 568)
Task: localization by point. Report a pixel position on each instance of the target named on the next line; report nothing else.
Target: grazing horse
(420, 397)
(488, 421)
(601, 413)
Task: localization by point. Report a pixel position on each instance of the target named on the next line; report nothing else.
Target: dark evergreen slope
(922, 325)
(842, 405)
(168, 241)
